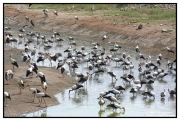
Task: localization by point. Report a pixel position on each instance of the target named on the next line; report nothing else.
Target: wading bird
(33, 90)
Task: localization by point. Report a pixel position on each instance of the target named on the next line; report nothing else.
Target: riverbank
(150, 38)
(19, 104)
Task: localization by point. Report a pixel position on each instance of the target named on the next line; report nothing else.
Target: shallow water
(86, 103)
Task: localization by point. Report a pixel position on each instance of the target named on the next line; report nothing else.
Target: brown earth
(22, 103)
(150, 39)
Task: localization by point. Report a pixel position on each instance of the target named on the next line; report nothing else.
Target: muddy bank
(151, 39)
(19, 104)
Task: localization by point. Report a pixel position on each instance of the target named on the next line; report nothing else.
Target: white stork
(8, 74)
(6, 95)
(33, 90)
(42, 95)
(13, 62)
(21, 84)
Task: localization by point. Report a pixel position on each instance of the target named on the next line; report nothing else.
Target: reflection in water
(44, 113)
(114, 114)
(133, 98)
(149, 101)
(98, 83)
(101, 112)
(171, 98)
(163, 100)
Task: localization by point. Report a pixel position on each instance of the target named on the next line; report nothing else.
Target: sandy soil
(150, 39)
(22, 103)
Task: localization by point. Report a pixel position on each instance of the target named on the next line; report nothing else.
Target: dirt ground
(22, 103)
(150, 40)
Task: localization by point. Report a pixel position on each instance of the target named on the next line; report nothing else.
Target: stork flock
(97, 60)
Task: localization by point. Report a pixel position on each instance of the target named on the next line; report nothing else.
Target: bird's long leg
(39, 101)
(13, 68)
(44, 102)
(33, 97)
(20, 90)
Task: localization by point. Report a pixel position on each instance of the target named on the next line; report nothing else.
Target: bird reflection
(101, 113)
(163, 100)
(114, 114)
(44, 113)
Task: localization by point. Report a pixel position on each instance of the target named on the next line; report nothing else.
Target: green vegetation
(130, 14)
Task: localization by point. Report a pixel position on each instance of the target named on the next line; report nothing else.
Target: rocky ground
(150, 38)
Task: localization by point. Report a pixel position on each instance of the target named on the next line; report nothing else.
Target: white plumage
(42, 95)
(44, 87)
(33, 90)
(101, 101)
(21, 84)
(6, 95)
(8, 74)
(112, 99)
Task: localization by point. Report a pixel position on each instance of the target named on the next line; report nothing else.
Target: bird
(115, 106)
(133, 90)
(112, 99)
(61, 63)
(41, 76)
(160, 56)
(32, 23)
(13, 62)
(73, 7)
(33, 52)
(104, 37)
(30, 71)
(169, 50)
(25, 56)
(75, 87)
(6, 95)
(103, 94)
(112, 74)
(53, 57)
(44, 87)
(8, 74)
(92, 8)
(33, 90)
(139, 27)
(162, 74)
(62, 70)
(163, 94)
(172, 92)
(97, 71)
(21, 84)
(41, 58)
(76, 18)
(149, 93)
(126, 79)
(46, 12)
(119, 88)
(137, 48)
(42, 95)
(141, 56)
(55, 13)
(115, 92)
(101, 102)
(84, 78)
(158, 62)
(27, 18)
